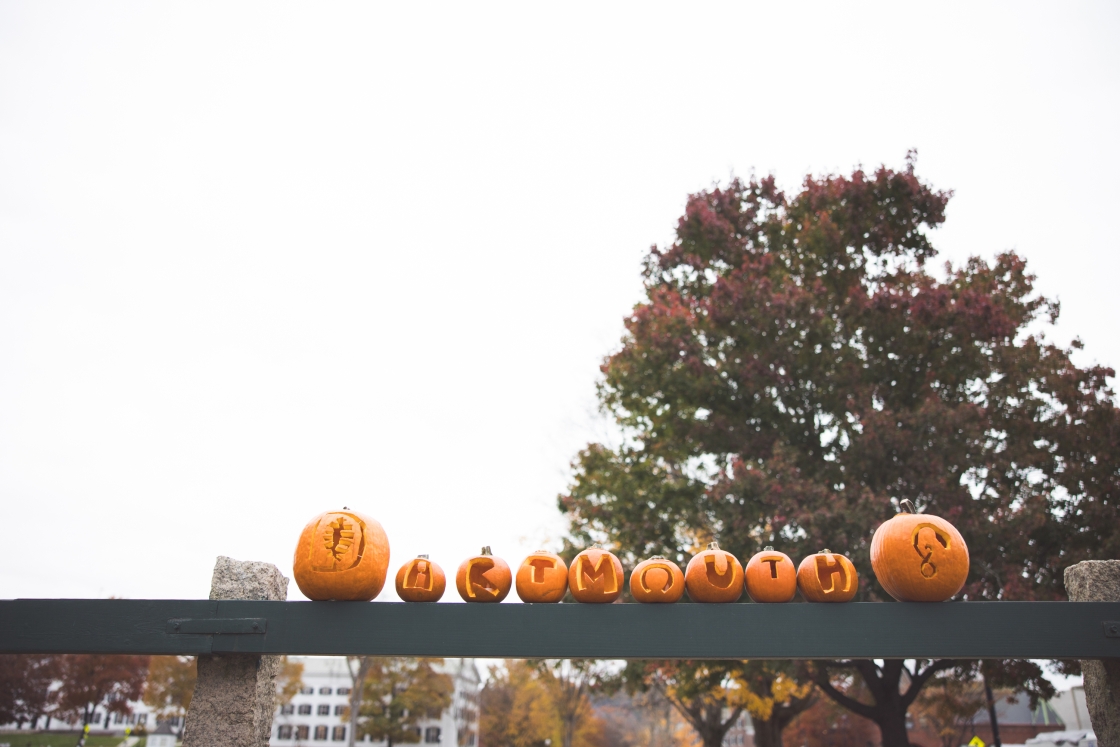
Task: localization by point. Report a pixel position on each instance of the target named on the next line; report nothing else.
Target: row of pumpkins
(344, 555)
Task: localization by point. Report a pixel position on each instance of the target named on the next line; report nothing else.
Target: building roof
(1020, 712)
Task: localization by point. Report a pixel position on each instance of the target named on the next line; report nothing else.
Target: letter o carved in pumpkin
(483, 578)
(714, 575)
(919, 557)
(420, 580)
(595, 577)
(542, 577)
(657, 580)
(770, 576)
(827, 577)
(342, 555)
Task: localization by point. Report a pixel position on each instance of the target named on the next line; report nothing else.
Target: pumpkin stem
(345, 508)
(826, 551)
(656, 557)
(713, 545)
(486, 550)
(907, 506)
(768, 547)
(424, 556)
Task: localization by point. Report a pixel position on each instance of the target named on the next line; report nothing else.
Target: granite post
(1099, 581)
(235, 696)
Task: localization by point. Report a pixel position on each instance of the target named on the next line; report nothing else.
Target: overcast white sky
(262, 260)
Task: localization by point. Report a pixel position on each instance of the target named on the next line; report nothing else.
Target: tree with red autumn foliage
(26, 687)
(108, 681)
(796, 369)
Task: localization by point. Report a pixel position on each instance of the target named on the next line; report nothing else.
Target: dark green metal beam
(966, 630)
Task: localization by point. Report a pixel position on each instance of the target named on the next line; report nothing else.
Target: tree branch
(853, 705)
(919, 679)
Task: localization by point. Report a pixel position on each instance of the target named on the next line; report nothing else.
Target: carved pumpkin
(483, 578)
(714, 575)
(657, 580)
(770, 576)
(542, 577)
(827, 577)
(919, 557)
(595, 577)
(341, 555)
(420, 580)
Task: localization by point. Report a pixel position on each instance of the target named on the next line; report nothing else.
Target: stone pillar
(235, 696)
(1099, 581)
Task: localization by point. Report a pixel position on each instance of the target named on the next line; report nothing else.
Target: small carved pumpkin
(595, 577)
(483, 578)
(770, 576)
(919, 557)
(827, 577)
(714, 575)
(542, 577)
(657, 580)
(341, 555)
(420, 580)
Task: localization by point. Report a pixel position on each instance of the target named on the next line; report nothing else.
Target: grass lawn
(25, 739)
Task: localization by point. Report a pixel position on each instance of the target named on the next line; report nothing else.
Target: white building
(315, 715)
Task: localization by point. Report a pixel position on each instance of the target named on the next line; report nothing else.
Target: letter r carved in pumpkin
(483, 578)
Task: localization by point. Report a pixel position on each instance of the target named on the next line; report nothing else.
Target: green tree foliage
(398, 693)
(795, 370)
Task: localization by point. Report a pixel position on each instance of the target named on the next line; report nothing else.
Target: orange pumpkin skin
(595, 577)
(542, 577)
(341, 555)
(657, 580)
(770, 576)
(483, 578)
(827, 577)
(420, 580)
(714, 575)
(919, 558)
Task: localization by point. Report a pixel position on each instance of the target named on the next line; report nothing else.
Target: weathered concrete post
(236, 693)
(1099, 581)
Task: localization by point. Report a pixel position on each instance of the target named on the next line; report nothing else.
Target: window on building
(307, 690)
(302, 732)
(97, 718)
(320, 732)
(470, 739)
(284, 732)
(338, 710)
(324, 710)
(324, 691)
(142, 718)
(305, 709)
(287, 709)
(431, 735)
(343, 691)
(117, 718)
(338, 734)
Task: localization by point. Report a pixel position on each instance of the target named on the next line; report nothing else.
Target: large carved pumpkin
(827, 577)
(341, 555)
(542, 577)
(657, 580)
(595, 577)
(770, 576)
(420, 580)
(919, 557)
(714, 575)
(483, 578)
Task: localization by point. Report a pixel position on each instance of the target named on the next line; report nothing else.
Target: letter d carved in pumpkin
(342, 555)
(483, 578)
(595, 577)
